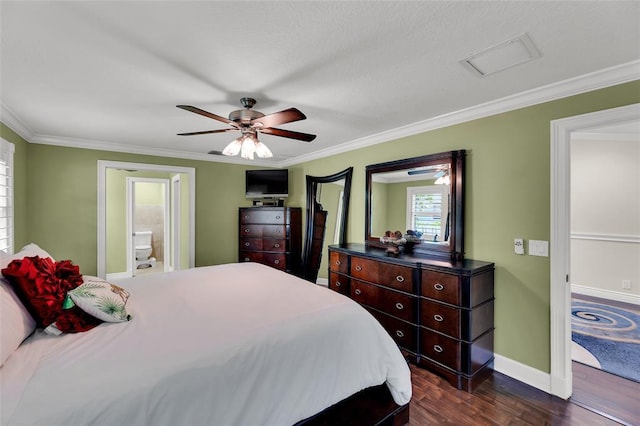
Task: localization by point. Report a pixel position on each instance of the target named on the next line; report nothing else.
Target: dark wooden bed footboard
(370, 407)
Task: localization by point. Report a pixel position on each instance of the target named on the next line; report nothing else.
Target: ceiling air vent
(503, 55)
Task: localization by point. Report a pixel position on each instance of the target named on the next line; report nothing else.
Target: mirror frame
(456, 160)
(312, 205)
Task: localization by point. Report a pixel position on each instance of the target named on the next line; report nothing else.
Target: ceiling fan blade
(306, 137)
(207, 114)
(282, 117)
(206, 132)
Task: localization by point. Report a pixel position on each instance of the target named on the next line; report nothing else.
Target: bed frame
(372, 406)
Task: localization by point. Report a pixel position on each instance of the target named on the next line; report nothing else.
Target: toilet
(143, 249)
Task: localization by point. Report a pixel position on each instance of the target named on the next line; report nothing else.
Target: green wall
(507, 196)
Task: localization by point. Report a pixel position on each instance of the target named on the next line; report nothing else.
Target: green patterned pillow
(101, 299)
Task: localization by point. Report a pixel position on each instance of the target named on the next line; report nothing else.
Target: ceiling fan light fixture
(248, 148)
(233, 148)
(262, 151)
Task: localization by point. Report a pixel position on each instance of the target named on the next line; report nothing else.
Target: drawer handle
(358, 291)
(278, 217)
(276, 245)
(438, 318)
(247, 244)
(337, 263)
(438, 286)
(438, 348)
(277, 262)
(399, 306)
(399, 333)
(247, 230)
(338, 284)
(400, 278)
(358, 268)
(246, 216)
(278, 231)
(246, 259)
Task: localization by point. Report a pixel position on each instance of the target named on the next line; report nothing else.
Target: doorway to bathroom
(148, 226)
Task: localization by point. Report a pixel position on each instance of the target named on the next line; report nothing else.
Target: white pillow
(16, 324)
(29, 250)
(101, 299)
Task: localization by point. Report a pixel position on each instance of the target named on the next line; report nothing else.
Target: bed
(234, 344)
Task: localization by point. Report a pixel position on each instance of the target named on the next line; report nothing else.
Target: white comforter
(236, 344)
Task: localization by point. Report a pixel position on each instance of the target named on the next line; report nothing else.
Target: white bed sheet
(236, 344)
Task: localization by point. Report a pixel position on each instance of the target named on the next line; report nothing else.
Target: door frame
(561, 381)
(166, 217)
(103, 165)
(176, 206)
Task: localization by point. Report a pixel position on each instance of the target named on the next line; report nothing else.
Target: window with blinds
(427, 208)
(6, 196)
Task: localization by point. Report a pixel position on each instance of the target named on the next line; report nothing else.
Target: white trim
(619, 238)
(103, 165)
(323, 282)
(606, 294)
(609, 137)
(117, 276)
(175, 220)
(607, 77)
(523, 373)
(560, 290)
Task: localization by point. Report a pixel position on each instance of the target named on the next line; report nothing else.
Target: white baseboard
(322, 281)
(523, 373)
(117, 276)
(606, 294)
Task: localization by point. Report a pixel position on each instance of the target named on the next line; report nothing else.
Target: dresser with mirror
(411, 274)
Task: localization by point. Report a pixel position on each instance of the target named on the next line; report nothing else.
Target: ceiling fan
(250, 122)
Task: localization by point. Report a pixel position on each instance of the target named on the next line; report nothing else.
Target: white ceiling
(109, 74)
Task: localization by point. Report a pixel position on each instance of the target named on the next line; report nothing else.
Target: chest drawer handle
(276, 245)
(358, 291)
(438, 286)
(358, 268)
(338, 284)
(247, 230)
(438, 318)
(247, 244)
(400, 278)
(278, 217)
(399, 333)
(337, 263)
(277, 262)
(399, 306)
(438, 348)
(246, 259)
(246, 216)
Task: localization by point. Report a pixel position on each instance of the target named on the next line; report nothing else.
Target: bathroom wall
(149, 214)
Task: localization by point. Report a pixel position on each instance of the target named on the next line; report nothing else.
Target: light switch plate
(539, 248)
(518, 246)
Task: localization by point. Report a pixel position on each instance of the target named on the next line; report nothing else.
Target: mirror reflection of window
(427, 211)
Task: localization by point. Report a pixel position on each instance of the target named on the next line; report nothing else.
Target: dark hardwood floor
(501, 400)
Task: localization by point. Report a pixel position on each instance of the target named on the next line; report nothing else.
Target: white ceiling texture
(108, 75)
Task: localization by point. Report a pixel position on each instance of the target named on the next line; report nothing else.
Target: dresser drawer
(440, 286)
(389, 275)
(263, 216)
(339, 283)
(439, 348)
(339, 262)
(442, 318)
(392, 302)
(403, 333)
(269, 244)
(275, 260)
(263, 231)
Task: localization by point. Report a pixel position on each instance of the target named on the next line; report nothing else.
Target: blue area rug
(611, 334)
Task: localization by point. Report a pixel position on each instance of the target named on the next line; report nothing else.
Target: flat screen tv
(271, 183)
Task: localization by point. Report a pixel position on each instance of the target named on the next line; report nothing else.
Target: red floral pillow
(42, 285)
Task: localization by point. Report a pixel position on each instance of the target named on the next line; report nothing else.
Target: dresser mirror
(327, 211)
(424, 195)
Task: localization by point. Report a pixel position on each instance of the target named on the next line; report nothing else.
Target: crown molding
(585, 83)
(14, 123)
(138, 149)
(607, 77)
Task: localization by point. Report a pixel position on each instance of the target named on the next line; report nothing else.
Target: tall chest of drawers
(440, 313)
(271, 236)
